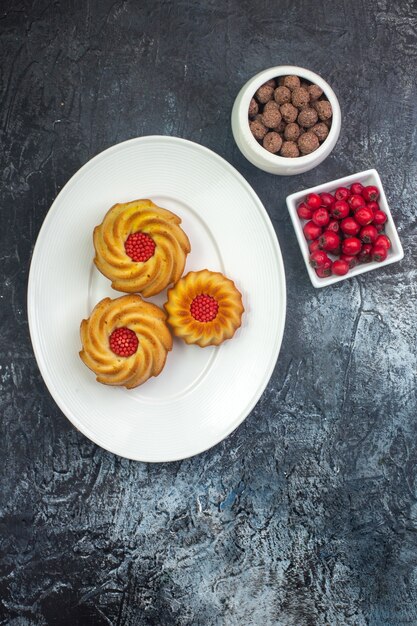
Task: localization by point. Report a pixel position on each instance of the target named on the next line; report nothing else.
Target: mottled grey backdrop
(307, 514)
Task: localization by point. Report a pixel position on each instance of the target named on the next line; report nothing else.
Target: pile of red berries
(349, 225)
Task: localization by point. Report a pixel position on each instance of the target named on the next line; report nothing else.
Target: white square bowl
(369, 177)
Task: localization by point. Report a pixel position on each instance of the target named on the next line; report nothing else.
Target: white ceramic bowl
(369, 177)
(254, 152)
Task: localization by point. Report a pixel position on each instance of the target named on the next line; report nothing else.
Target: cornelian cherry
(342, 193)
(356, 202)
(379, 217)
(318, 258)
(356, 188)
(379, 253)
(373, 205)
(314, 245)
(333, 225)
(370, 193)
(351, 246)
(311, 230)
(383, 240)
(351, 260)
(321, 217)
(350, 226)
(340, 267)
(304, 212)
(329, 240)
(364, 216)
(340, 209)
(368, 234)
(327, 199)
(313, 200)
(364, 255)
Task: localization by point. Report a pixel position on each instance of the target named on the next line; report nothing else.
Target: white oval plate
(202, 395)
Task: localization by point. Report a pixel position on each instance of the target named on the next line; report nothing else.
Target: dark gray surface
(307, 514)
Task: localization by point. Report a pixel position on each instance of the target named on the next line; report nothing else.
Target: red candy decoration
(123, 342)
(204, 308)
(140, 247)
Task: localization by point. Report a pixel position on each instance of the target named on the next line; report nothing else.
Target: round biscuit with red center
(204, 308)
(125, 341)
(140, 247)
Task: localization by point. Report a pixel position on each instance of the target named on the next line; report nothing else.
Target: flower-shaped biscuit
(140, 247)
(125, 341)
(204, 308)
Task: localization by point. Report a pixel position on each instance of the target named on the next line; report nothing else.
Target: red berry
(350, 226)
(321, 217)
(351, 246)
(340, 209)
(356, 202)
(333, 225)
(314, 245)
(325, 270)
(356, 188)
(364, 216)
(318, 258)
(379, 227)
(370, 193)
(313, 200)
(368, 233)
(139, 247)
(352, 261)
(379, 253)
(383, 240)
(329, 240)
(379, 217)
(304, 212)
(204, 308)
(123, 342)
(311, 231)
(342, 193)
(374, 206)
(340, 267)
(327, 199)
(364, 255)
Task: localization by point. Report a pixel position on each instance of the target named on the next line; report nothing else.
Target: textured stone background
(307, 514)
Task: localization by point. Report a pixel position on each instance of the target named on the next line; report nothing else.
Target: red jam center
(123, 342)
(204, 308)
(140, 247)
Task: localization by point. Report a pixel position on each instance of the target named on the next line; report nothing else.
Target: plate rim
(31, 298)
